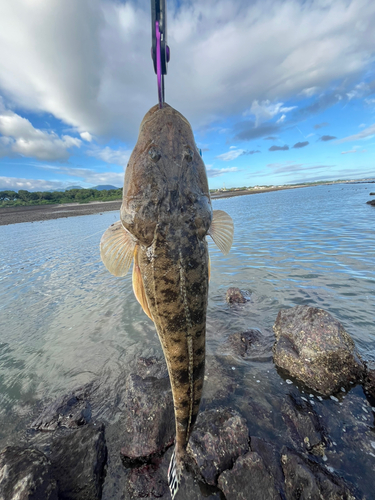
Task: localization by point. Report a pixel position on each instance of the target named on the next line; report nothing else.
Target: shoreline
(36, 213)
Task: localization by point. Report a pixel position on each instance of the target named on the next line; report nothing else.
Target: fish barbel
(166, 214)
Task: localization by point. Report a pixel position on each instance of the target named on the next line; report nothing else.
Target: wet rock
(219, 381)
(234, 295)
(303, 424)
(78, 459)
(305, 479)
(250, 344)
(249, 479)
(271, 458)
(314, 347)
(371, 202)
(148, 481)
(369, 382)
(219, 437)
(70, 411)
(148, 422)
(26, 474)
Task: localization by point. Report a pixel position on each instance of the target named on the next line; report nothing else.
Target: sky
(277, 92)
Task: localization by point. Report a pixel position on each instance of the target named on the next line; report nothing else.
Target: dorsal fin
(117, 249)
(221, 230)
(138, 288)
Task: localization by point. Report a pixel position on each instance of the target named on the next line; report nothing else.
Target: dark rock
(220, 436)
(314, 347)
(26, 474)
(271, 458)
(372, 194)
(219, 381)
(369, 382)
(371, 202)
(249, 479)
(148, 424)
(308, 480)
(78, 459)
(303, 425)
(234, 295)
(148, 481)
(71, 411)
(250, 344)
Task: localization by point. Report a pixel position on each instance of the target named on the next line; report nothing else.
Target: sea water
(64, 319)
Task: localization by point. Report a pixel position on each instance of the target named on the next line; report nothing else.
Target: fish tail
(174, 474)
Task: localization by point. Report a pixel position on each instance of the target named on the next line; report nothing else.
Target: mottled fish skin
(167, 208)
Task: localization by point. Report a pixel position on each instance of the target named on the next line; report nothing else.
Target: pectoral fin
(138, 287)
(117, 249)
(221, 230)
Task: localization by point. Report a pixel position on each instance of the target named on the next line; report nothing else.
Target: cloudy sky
(276, 91)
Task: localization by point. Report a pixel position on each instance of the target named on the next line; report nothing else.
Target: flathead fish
(166, 214)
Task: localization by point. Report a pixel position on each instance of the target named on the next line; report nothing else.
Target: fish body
(166, 214)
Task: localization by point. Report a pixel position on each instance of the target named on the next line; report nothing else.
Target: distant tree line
(23, 197)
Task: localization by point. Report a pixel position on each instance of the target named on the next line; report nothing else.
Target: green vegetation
(23, 197)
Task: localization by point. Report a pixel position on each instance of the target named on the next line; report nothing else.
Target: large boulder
(314, 348)
(78, 459)
(249, 479)
(219, 437)
(148, 425)
(306, 479)
(26, 474)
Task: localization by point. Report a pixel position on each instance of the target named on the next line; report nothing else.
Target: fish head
(165, 179)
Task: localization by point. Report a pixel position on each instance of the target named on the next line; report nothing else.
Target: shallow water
(64, 319)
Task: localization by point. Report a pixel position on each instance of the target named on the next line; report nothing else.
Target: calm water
(64, 319)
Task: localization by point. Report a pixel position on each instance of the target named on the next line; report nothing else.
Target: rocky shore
(115, 441)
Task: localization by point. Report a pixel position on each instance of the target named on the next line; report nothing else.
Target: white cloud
(230, 155)
(265, 110)
(86, 136)
(216, 172)
(88, 176)
(88, 62)
(366, 133)
(309, 92)
(14, 184)
(21, 138)
(353, 151)
(114, 156)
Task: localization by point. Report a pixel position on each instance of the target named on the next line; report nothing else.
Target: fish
(165, 217)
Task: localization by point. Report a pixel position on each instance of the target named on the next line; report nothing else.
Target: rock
(271, 458)
(26, 474)
(78, 460)
(71, 411)
(371, 202)
(372, 194)
(305, 479)
(303, 425)
(219, 381)
(369, 382)
(219, 437)
(234, 295)
(314, 347)
(249, 479)
(148, 423)
(250, 344)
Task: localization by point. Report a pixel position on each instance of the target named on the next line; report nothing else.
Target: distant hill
(71, 187)
(104, 186)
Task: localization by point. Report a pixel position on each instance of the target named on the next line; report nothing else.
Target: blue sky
(277, 92)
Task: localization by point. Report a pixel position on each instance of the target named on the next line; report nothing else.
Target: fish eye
(154, 154)
(188, 154)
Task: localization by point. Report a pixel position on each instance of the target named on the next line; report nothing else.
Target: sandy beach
(16, 215)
